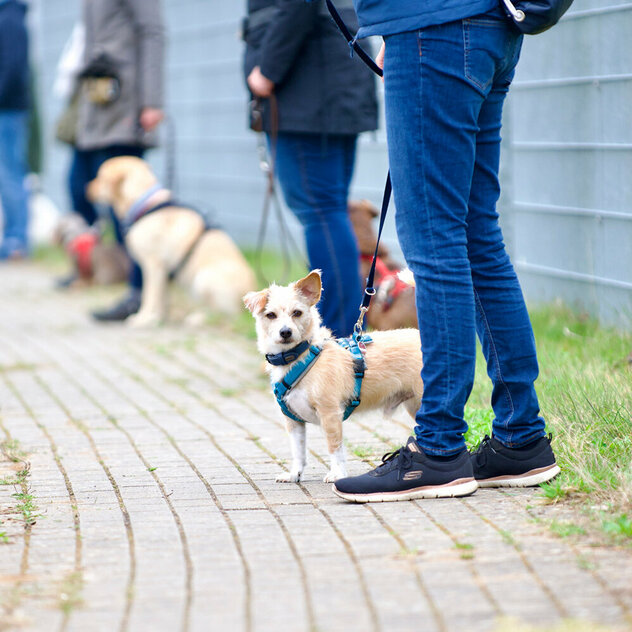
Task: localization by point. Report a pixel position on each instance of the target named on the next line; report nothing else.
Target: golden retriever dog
(286, 317)
(173, 240)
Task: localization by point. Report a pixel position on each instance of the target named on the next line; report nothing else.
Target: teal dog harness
(355, 346)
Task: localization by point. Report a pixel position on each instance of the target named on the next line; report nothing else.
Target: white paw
(288, 477)
(333, 475)
(140, 320)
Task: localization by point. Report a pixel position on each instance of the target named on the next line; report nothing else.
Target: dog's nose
(285, 333)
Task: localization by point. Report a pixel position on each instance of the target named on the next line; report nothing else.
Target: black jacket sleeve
(284, 37)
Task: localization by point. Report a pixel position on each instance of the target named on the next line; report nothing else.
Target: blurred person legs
(83, 169)
(13, 144)
(315, 171)
(130, 303)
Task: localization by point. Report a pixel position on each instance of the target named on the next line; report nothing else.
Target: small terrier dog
(286, 316)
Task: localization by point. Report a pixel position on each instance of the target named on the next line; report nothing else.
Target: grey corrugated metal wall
(567, 162)
(569, 136)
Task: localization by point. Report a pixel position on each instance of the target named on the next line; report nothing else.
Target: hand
(260, 85)
(379, 60)
(150, 118)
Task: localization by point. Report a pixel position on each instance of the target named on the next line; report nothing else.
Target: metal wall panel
(569, 141)
(567, 160)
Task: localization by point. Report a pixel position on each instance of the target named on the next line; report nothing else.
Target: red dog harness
(80, 248)
(389, 285)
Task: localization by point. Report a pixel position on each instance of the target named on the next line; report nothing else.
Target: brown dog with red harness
(393, 306)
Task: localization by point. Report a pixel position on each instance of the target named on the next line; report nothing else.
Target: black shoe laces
(402, 459)
(482, 451)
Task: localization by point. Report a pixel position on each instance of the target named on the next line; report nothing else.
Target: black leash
(171, 176)
(369, 290)
(267, 161)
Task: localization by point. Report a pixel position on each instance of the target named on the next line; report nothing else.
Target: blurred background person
(323, 100)
(14, 115)
(119, 105)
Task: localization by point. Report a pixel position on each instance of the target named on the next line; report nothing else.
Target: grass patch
(70, 592)
(27, 507)
(17, 366)
(466, 550)
(274, 268)
(511, 624)
(585, 392)
(12, 450)
(362, 452)
(564, 529)
(53, 257)
(619, 527)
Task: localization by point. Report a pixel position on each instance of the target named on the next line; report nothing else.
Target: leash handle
(352, 41)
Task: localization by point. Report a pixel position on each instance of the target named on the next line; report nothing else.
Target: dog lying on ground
(393, 306)
(170, 240)
(289, 329)
(92, 260)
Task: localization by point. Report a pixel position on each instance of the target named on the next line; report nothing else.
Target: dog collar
(139, 208)
(287, 357)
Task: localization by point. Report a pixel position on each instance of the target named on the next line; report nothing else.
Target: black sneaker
(498, 466)
(127, 306)
(407, 474)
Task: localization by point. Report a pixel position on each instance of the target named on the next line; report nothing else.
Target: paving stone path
(150, 501)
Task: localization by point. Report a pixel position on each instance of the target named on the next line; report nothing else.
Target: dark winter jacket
(14, 64)
(386, 17)
(319, 88)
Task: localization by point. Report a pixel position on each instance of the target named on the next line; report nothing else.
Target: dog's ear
(255, 302)
(310, 287)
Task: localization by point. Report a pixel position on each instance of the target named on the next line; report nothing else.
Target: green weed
(618, 527)
(566, 529)
(26, 507)
(585, 393)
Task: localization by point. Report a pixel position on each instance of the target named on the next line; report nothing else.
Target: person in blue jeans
(323, 101)
(14, 103)
(120, 105)
(447, 70)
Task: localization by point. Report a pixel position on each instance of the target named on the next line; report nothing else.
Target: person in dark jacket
(447, 67)
(323, 100)
(120, 104)
(14, 103)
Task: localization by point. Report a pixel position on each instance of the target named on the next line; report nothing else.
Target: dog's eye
(271, 315)
(297, 313)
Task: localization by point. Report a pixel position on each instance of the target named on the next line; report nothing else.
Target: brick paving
(152, 459)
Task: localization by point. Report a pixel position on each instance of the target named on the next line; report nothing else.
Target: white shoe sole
(460, 487)
(528, 479)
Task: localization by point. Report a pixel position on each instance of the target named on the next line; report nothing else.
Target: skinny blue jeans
(315, 171)
(13, 142)
(444, 91)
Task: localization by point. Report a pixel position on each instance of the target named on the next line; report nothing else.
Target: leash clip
(357, 328)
